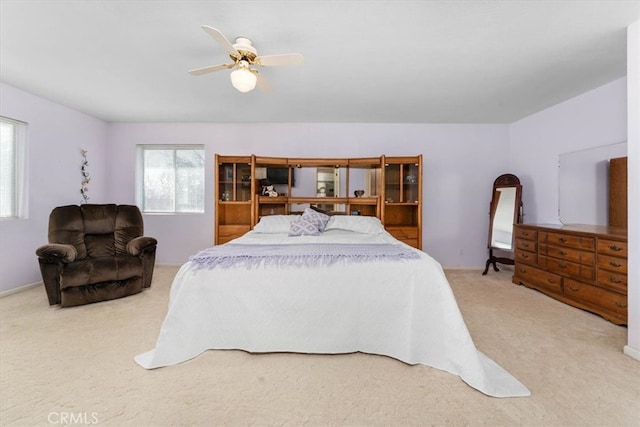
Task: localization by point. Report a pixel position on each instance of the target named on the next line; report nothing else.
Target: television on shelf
(280, 176)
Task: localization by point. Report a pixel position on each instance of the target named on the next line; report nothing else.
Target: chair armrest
(140, 244)
(57, 251)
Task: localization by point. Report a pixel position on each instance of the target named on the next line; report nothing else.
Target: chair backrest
(96, 230)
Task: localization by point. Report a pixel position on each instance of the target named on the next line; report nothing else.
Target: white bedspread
(402, 309)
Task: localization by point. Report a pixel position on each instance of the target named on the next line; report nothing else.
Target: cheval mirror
(504, 211)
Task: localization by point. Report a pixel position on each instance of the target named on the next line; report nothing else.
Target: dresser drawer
(615, 281)
(535, 277)
(526, 256)
(526, 245)
(403, 233)
(571, 241)
(230, 232)
(618, 265)
(571, 254)
(524, 233)
(612, 247)
(410, 242)
(408, 235)
(568, 268)
(595, 296)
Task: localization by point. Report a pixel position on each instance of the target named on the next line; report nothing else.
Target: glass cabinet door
(410, 183)
(225, 181)
(401, 183)
(243, 182)
(234, 182)
(392, 180)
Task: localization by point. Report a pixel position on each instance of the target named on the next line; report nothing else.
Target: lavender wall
(593, 119)
(460, 163)
(55, 136)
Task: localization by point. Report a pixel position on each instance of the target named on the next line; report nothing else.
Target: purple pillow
(303, 227)
(318, 218)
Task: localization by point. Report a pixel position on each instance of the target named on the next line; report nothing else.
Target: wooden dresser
(581, 265)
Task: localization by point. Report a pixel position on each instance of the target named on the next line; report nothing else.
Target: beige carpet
(75, 366)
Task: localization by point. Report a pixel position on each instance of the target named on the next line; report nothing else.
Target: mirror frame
(503, 181)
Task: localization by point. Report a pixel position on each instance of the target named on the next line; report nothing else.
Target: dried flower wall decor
(84, 185)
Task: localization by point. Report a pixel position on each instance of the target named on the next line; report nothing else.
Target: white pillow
(274, 224)
(355, 223)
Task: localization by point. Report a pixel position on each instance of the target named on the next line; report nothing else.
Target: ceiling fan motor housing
(244, 46)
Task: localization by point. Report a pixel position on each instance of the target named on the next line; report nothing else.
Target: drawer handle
(614, 264)
(523, 270)
(525, 233)
(614, 280)
(525, 256)
(573, 288)
(552, 281)
(562, 240)
(562, 265)
(561, 252)
(525, 245)
(615, 248)
(620, 304)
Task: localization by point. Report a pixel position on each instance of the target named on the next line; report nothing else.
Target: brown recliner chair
(95, 253)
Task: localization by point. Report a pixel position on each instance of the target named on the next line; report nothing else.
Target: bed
(349, 287)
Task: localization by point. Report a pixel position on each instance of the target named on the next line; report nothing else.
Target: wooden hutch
(389, 188)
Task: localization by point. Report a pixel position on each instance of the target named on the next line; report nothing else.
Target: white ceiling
(365, 61)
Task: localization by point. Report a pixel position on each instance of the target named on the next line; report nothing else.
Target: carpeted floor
(75, 366)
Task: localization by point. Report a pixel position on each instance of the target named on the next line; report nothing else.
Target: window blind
(12, 141)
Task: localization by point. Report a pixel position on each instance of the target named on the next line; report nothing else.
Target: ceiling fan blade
(210, 69)
(220, 38)
(263, 84)
(280, 60)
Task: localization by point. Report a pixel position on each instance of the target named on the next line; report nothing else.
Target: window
(170, 178)
(12, 167)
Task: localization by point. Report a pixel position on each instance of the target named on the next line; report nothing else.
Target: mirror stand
(493, 260)
(504, 211)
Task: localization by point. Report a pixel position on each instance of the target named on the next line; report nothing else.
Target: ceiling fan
(245, 57)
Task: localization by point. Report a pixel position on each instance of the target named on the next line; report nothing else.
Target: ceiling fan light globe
(243, 80)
